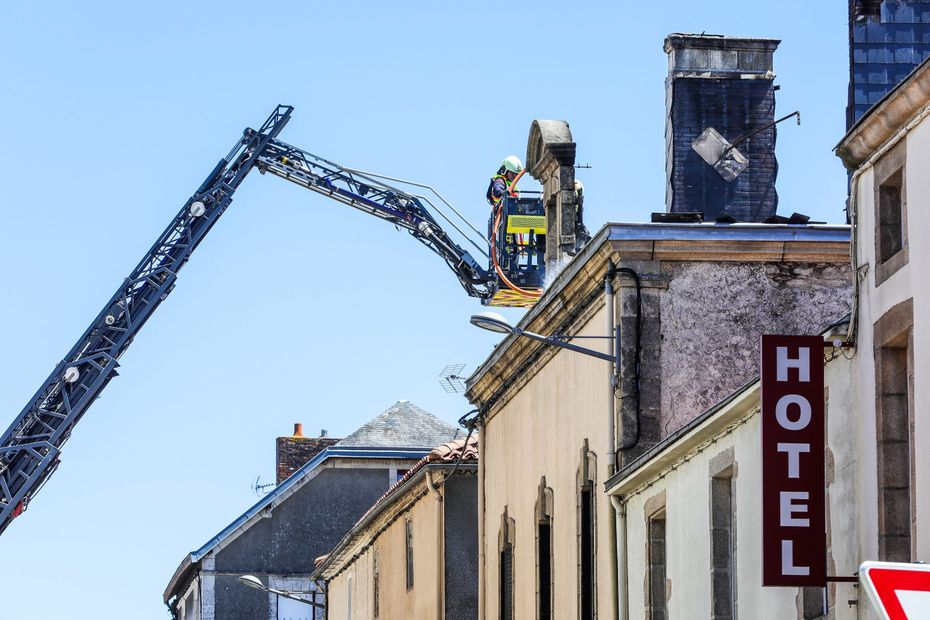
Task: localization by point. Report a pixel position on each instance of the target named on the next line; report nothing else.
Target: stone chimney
(726, 83)
(550, 159)
(295, 451)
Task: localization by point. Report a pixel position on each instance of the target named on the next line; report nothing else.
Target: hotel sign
(794, 540)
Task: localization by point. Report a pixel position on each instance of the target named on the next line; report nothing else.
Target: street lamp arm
(552, 340)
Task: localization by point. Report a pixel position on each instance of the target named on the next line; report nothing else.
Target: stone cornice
(575, 294)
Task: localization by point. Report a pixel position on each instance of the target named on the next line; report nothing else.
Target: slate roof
(403, 425)
(403, 431)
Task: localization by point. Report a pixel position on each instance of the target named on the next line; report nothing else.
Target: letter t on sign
(794, 542)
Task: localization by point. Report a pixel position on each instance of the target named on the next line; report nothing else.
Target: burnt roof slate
(403, 425)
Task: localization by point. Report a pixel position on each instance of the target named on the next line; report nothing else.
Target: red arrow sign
(898, 591)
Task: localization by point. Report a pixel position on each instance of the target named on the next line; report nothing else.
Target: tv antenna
(259, 487)
(452, 382)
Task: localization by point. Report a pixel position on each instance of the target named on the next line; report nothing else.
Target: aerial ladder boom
(30, 447)
(374, 197)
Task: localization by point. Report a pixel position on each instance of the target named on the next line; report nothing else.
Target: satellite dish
(720, 154)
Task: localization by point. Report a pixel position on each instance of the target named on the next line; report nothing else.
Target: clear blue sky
(297, 309)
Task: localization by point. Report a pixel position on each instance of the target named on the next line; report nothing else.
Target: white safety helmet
(512, 163)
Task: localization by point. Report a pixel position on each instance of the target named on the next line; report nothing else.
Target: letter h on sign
(794, 540)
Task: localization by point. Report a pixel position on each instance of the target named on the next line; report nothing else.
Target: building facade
(689, 515)
(281, 535)
(887, 153)
(887, 39)
(412, 555)
(689, 511)
(689, 337)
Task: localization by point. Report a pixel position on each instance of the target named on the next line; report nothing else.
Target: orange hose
(516, 180)
(500, 272)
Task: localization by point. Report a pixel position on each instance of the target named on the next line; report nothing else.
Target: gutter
(287, 487)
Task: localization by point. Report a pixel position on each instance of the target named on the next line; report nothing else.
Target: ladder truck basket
(518, 235)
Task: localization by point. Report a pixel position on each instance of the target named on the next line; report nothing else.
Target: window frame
(506, 568)
(723, 529)
(893, 342)
(652, 564)
(408, 553)
(545, 566)
(587, 484)
(893, 164)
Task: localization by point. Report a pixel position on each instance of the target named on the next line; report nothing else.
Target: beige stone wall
(919, 225)
(421, 601)
(542, 433)
(877, 299)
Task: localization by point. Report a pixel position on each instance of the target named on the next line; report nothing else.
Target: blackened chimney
(726, 83)
(294, 452)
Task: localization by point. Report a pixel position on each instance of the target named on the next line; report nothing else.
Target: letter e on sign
(794, 541)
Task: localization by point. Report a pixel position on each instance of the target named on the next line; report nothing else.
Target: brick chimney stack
(726, 83)
(295, 451)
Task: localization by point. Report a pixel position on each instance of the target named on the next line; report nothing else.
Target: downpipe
(621, 585)
(482, 568)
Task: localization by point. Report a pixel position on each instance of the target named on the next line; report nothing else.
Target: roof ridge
(403, 424)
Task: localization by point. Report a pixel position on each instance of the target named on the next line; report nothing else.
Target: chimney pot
(298, 429)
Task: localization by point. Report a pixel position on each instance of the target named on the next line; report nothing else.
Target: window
(587, 536)
(544, 541)
(656, 600)
(890, 214)
(376, 586)
(866, 8)
(894, 381)
(723, 556)
(507, 582)
(505, 568)
(891, 234)
(586, 553)
(408, 535)
(544, 561)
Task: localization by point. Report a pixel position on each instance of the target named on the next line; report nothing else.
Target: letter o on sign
(804, 412)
